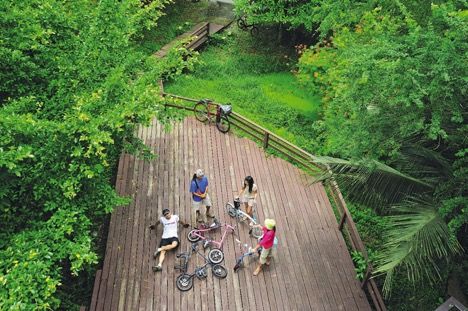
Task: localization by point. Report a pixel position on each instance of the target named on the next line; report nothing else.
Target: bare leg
(249, 210)
(257, 271)
(246, 207)
(209, 213)
(162, 254)
(163, 250)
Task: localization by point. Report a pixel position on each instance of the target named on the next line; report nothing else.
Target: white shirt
(170, 226)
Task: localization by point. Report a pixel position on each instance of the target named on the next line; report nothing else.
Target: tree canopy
(392, 75)
(74, 85)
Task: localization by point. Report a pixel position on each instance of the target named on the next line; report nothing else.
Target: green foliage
(178, 18)
(74, 87)
(394, 84)
(234, 69)
(360, 264)
(372, 227)
(406, 296)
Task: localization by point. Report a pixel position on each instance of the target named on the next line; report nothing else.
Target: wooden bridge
(312, 269)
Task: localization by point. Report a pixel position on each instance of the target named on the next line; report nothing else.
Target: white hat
(199, 173)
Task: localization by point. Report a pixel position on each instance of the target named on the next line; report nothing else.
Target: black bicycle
(206, 109)
(244, 25)
(184, 282)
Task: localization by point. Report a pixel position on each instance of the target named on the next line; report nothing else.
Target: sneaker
(157, 268)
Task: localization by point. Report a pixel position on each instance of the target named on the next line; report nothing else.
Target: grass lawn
(254, 75)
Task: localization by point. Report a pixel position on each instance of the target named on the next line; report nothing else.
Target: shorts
(205, 202)
(250, 201)
(169, 241)
(200, 207)
(265, 254)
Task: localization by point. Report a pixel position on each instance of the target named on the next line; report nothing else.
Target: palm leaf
(370, 182)
(428, 164)
(417, 239)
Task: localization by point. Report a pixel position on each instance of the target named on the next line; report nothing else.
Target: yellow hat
(270, 223)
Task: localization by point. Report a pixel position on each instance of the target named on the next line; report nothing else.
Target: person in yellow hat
(266, 242)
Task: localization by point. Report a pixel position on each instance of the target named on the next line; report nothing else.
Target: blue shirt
(202, 185)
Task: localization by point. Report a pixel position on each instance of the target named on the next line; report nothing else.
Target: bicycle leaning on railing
(206, 109)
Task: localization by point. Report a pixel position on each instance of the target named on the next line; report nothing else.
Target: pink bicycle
(215, 255)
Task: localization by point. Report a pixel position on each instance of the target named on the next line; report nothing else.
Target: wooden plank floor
(312, 269)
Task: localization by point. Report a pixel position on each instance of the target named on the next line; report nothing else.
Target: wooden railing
(306, 161)
(199, 36)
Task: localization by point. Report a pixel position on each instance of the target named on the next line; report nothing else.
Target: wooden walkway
(312, 269)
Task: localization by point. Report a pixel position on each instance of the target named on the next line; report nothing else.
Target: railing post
(342, 221)
(366, 277)
(266, 139)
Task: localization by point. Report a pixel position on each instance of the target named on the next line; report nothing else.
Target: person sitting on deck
(169, 239)
(266, 242)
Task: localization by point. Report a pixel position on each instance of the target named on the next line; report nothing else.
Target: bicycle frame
(234, 210)
(219, 244)
(246, 253)
(209, 109)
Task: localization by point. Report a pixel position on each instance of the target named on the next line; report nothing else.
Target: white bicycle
(235, 211)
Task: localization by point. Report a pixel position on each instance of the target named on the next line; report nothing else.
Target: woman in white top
(248, 195)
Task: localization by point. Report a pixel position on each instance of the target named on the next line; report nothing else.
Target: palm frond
(427, 164)
(417, 239)
(371, 182)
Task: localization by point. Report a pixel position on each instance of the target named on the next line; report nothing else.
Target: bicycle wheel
(216, 255)
(201, 112)
(219, 271)
(241, 23)
(184, 282)
(254, 31)
(192, 237)
(231, 210)
(223, 125)
(238, 265)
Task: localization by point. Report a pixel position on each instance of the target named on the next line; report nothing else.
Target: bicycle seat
(226, 109)
(183, 255)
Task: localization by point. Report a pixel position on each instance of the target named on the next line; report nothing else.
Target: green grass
(179, 17)
(254, 75)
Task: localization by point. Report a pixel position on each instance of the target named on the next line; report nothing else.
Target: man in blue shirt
(200, 197)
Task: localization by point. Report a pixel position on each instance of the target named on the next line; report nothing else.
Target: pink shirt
(268, 238)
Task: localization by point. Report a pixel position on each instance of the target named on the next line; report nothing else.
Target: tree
(74, 87)
(423, 231)
(394, 89)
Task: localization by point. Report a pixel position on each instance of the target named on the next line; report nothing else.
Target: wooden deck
(312, 269)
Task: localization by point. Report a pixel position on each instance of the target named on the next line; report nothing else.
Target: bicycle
(235, 211)
(247, 252)
(215, 255)
(206, 109)
(184, 281)
(242, 24)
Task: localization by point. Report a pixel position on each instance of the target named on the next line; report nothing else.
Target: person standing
(201, 203)
(267, 243)
(169, 239)
(248, 195)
